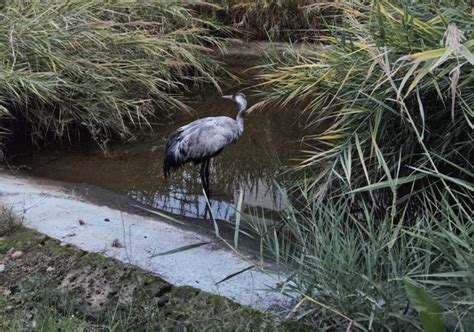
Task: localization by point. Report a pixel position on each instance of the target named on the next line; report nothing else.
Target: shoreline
(50, 210)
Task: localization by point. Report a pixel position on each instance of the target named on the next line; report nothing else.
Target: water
(270, 139)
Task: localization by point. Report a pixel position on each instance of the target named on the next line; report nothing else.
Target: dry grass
(281, 20)
(9, 223)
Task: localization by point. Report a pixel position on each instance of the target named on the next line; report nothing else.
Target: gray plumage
(203, 139)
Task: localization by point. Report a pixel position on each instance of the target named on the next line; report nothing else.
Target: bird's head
(238, 98)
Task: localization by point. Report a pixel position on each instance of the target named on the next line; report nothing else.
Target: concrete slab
(55, 212)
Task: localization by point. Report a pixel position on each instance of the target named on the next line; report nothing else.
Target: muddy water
(270, 140)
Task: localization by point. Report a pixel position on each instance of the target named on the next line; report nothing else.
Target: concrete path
(62, 215)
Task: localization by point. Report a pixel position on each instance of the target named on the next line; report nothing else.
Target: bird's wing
(200, 140)
(206, 137)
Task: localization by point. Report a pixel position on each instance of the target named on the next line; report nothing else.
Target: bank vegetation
(379, 234)
(98, 69)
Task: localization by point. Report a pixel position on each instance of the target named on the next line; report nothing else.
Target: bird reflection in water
(257, 194)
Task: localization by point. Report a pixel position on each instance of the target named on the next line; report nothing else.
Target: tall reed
(99, 67)
(281, 20)
(387, 190)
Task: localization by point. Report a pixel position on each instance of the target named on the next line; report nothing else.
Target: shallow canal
(270, 140)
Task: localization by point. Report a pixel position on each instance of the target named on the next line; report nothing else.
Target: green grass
(39, 307)
(98, 68)
(54, 287)
(385, 192)
(350, 267)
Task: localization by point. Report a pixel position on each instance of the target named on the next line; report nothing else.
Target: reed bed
(98, 67)
(278, 20)
(379, 233)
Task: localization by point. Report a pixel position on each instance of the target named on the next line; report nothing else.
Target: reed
(386, 190)
(278, 20)
(98, 67)
(350, 268)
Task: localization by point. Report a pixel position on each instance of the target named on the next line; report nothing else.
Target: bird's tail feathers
(170, 164)
(173, 160)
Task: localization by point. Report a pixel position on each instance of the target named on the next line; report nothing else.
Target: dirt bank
(133, 239)
(51, 286)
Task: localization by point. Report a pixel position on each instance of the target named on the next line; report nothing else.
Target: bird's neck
(240, 117)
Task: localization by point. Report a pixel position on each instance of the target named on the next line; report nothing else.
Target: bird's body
(203, 139)
(200, 140)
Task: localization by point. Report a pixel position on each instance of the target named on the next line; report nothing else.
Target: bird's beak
(227, 97)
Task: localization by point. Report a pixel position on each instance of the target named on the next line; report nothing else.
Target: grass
(49, 309)
(349, 269)
(9, 222)
(281, 20)
(385, 193)
(98, 68)
(54, 287)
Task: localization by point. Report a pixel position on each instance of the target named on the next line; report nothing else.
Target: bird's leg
(202, 172)
(207, 176)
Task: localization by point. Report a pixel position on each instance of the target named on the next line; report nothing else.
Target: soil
(64, 284)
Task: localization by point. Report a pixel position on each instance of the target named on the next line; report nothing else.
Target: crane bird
(203, 139)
